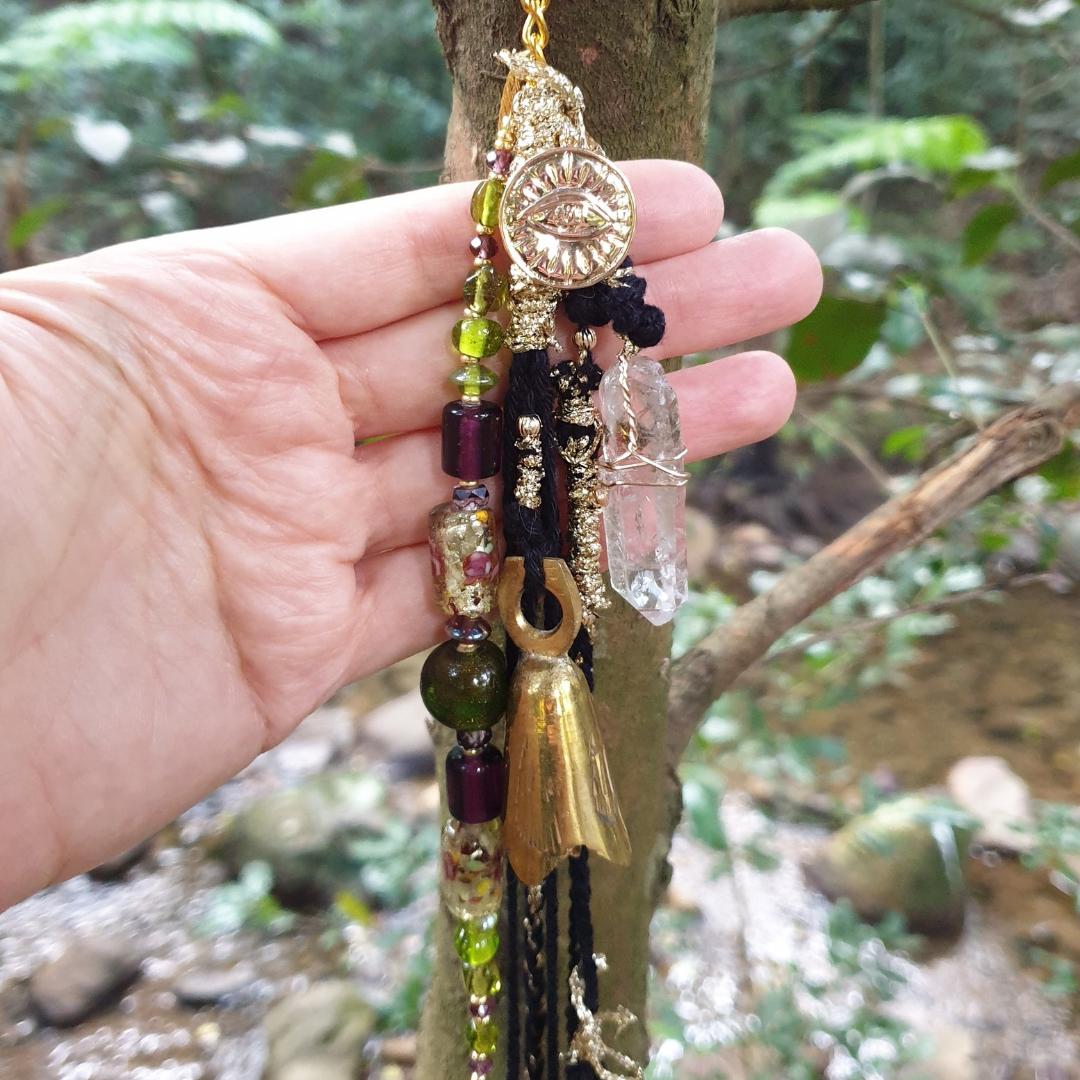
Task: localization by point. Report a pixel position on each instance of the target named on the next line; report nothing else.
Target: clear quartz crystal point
(645, 512)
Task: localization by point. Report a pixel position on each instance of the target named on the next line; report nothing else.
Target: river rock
(302, 833)
(319, 1034)
(905, 856)
(996, 797)
(209, 986)
(91, 974)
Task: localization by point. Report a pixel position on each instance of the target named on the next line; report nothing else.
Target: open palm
(195, 553)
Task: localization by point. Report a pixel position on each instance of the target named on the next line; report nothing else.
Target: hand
(193, 553)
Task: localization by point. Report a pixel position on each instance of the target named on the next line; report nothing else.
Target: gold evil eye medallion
(567, 218)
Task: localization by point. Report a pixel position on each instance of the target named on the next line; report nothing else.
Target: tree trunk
(645, 69)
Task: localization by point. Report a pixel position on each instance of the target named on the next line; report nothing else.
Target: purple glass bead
(484, 246)
(498, 161)
(475, 784)
(471, 439)
(482, 1008)
(467, 631)
(471, 498)
(481, 1065)
(474, 740)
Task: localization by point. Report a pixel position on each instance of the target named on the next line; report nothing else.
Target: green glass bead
(482, 1036)
(482, 981)
(477, 940)
(464, 687)
(485, 202)
(486, 290)
(478, 338)
(475, 379)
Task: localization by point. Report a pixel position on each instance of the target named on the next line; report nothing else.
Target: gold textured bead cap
(560, 794)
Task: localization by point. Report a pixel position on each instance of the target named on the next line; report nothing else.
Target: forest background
(928, 149)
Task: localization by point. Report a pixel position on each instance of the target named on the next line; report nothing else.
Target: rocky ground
(160, 967)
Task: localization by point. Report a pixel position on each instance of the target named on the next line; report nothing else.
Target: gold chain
(534, 33)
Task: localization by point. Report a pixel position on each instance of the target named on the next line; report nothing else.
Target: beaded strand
(464, 680)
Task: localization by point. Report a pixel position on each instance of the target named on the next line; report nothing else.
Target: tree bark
(645, 69)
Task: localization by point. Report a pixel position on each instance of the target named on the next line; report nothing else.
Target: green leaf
(1057, 172)
(934, 144)
(1063, 472)
(967, 181)
(984, 230)
(906, 442)
(834, 338)
(27, 224)
(701, 801)
(327, 180)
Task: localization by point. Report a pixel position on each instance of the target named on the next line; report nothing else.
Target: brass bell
(560, 794)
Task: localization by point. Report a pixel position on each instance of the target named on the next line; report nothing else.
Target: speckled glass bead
(478, 338)
(482, 981)
(485, 202)
(476, 940)
(473, 380)
(482, 1035)
(485, 290)
(464, 686)
(471, 439)
(464, 561)
(471, 856)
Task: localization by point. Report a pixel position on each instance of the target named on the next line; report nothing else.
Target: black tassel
(581, 953)
(512, 975)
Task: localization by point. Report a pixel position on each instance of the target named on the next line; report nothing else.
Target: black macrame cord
(536, 535)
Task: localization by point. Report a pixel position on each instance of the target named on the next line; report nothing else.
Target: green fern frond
(933, 144)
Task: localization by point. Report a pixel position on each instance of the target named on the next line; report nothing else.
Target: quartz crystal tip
(642, 469)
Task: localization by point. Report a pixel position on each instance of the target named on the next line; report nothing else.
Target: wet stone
(211, 986)
(319, 1034)
(89, 976)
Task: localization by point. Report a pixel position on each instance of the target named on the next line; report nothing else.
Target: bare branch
(1013, 445)
(737, 9)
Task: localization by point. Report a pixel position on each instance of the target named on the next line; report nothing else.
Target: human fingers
(723, 405)
(395, 614)
(394, 378)
(346, 269)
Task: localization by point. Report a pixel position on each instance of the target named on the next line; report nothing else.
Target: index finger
(347, 269)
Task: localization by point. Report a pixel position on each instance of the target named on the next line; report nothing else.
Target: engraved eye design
(570, 215)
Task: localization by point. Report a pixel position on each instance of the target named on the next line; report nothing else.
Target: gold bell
(560, 794)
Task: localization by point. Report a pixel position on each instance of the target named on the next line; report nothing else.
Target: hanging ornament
(566, 217)
(560, 795)
(642, 471)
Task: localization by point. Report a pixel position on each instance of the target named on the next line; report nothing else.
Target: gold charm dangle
(584, 494)
(530, 464)
(560, 793)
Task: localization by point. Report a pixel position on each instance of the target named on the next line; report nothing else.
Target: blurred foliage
(125, 118)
